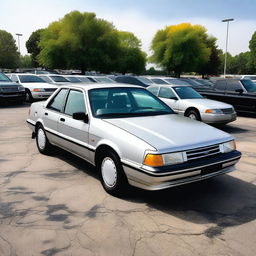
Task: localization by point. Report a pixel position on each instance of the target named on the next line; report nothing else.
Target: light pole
(225, 63)
(18, 35)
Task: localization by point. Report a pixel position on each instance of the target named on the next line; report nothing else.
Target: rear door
(74, 133)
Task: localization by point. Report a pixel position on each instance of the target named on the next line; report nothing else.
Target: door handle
(62, 119)
(46, 114)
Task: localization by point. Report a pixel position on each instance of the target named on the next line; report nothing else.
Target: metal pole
(18, 35)
(225, 63)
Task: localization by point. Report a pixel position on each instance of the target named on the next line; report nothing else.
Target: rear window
(31, 79)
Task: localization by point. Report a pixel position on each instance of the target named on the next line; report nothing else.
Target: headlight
(228, 146)
(21, 88)
(164, 159)
(38, 90)
(213, 111)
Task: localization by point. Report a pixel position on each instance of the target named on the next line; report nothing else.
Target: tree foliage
(131, 59)
(252, 46)
(26, 61)
(79, 40)
(181, 48)
(32, 45)
(9, 55)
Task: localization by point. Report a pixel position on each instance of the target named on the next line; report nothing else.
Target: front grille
(227, 110)
(10, 89)
(203, 152)
(50, 89)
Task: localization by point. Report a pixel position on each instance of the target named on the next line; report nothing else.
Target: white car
(35, 87)
(186, 101)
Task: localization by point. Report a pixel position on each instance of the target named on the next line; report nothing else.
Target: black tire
(28, 96)
(43, 148)
(193, 114)
(121, 184)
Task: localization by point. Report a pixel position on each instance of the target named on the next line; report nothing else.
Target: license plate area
(210, 169)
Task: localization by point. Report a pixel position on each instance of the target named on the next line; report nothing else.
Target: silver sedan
(131, 136)
(186, 101)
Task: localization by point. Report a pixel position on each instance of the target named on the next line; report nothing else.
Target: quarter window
(75, 103)
(57, 102)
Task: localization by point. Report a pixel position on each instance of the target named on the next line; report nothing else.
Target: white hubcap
(41, 139)
(192, 116)
(108, 171)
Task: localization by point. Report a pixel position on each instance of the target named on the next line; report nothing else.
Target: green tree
(26, 61)
(180, 48)
(80, 41)
(214, 62)
(32, 45)
(131, 59)
(252, 46)
(9, 55)
(241, 64)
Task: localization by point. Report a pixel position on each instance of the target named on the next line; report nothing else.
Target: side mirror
(240, 91)
(80, 116)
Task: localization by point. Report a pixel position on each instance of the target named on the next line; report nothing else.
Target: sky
(142, 17)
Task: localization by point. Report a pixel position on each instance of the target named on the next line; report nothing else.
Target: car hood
(207, 104)
(167, 133)
(4, 84)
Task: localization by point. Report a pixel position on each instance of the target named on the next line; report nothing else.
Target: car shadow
(13, 104)
(225, 201)
(231, 129)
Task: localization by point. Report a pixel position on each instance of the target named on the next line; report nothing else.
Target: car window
(46, 79)
(154, 90)
(75, 103)
(158, 81)
(58, 101)
(166, 93)
(58, 79)
(220, 85)
(14, 78)
(31, 79)
(233, 85)
(125, 102)
(249, 85)
(4, 78)
(185, 92)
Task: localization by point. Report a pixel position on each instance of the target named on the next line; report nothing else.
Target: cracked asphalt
(55, 205)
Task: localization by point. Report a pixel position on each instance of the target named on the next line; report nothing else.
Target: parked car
(241, 93)
(54, 79)
(131, 136)
(35, 87)
(10, 90)
(186, 101)
(136, 80)
(72, 79)
(157, 80)
(83, 79)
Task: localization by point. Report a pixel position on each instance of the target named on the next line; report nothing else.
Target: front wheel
(193, 114)
(112, 176)
(42, 142)
(28, 96)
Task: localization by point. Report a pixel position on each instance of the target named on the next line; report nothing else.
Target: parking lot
(55, 205)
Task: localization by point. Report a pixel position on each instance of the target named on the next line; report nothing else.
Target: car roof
(87, 87)
(168, 85)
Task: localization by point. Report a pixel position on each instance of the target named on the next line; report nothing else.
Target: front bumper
(171, 176)
(218, 118)
(20, 95)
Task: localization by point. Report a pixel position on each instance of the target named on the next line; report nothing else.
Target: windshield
(104, 80)
(4, 78)
(84, 79)
(144, 80)
(30, 79)
(204, 82)
(59, 79)
(187, 93)
(125, 102)
(249, 85)
(73, 79)
(158, 81)
(176, 81)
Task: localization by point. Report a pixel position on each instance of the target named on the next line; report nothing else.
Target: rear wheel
(112, 176)
(42, 141)
(193, 114)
